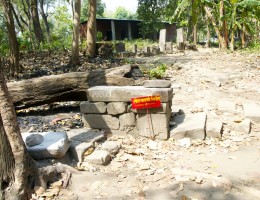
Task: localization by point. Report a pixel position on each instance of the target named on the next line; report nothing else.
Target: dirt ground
(215, 169)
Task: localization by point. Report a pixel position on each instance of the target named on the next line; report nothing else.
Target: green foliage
(141, 43)
(121, 13)
(4, 47)
(84, 10)
(158, 72)
(99, 36)
(151, 12)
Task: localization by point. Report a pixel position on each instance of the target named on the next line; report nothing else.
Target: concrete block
(100, 121)
(226, 106)
(127, 120)
(115, 108)
(98, 157)
(252, 111)
(157, 127)
(54, 145)
(78, 148)
(157, 84)
(125, 93)
(90, 108)
(165, 108)
(214, 128)
(191, 126)
(111, 146)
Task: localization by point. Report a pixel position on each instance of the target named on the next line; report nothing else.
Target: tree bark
(36, 22)
(13, 43)
(75, 41)
(18, 187)
(195, 34)
(208, 33)
(65, 87)
(91, 29)
(223, 24)
(213, 21)
(45, 19)
(243, 36)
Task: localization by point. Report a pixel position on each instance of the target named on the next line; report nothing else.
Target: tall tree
(13, 43)
(91, 29)
(36, 21)
(18, 184)
(75, 41)
(45, 17)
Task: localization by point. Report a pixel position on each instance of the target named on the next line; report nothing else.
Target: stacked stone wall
(109, 107)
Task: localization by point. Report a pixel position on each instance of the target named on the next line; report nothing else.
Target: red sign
(146, 102)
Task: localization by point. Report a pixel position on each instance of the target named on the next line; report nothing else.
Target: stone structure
(119, 115)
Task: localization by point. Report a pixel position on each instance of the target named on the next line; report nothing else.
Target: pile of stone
(109, 107)
(104, 49)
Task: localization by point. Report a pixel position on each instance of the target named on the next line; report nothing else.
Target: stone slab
(165, 108)
(158, 128)
(162, 40)
(54, 145)
(100, 121)
(226, 106)
(98, 157)
(191, 126)
(157, 84)
(115, 108)
(243, 127)
(252, 111)
(214, 128)
(82, 140)
(125, 93)
(90, 108)
(127, 120)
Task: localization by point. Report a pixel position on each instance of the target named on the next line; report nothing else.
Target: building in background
(120, 29)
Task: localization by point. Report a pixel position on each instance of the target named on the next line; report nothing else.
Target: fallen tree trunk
(65, 87)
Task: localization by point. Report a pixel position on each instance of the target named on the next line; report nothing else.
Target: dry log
(65, 87)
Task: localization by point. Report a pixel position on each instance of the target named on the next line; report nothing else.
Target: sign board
(146, 102)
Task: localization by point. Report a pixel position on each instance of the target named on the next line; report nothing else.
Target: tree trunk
(18, 187)
(36, 22)
(75, 41)
(243, 36)
(65, 87)
(213, 21)
(195, 34)
(17, 19)
(91, 29)
(208, 33)
(223, 24)
(45, 19)
(7, 161)
(13, 43)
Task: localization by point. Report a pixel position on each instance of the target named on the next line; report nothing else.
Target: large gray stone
(90, 108)
(127, 120)
(157, 84)
(115, 108)
(226, 106)
(125, 93)
(54, 145)
(252, 111)
(83, 141)
(33, 139)
(191, 126)
(98, 157)
(100, 121)
(168, 47)
(157, 127)
(165, 108)
(214, 128)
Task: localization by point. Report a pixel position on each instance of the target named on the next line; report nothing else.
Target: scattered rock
(111, 146)
(98, 157)
(185, 142)
(115, 108)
